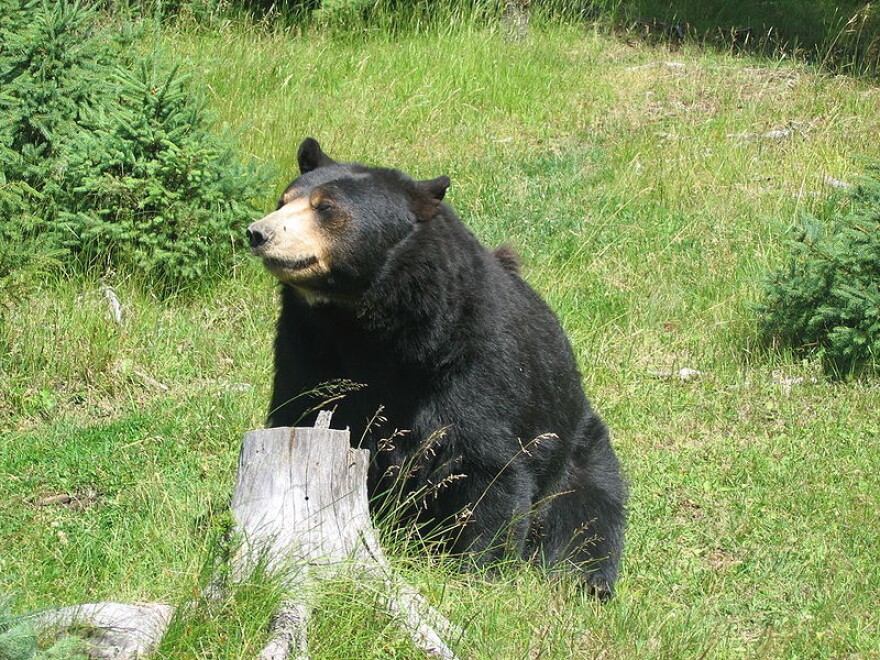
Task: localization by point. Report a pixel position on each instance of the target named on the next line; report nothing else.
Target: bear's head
(337, 223)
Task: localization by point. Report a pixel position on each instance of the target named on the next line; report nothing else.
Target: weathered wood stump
(301, 508)
(301, 514)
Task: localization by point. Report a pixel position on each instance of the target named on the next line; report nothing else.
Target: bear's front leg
(479, 490)
(493, 514)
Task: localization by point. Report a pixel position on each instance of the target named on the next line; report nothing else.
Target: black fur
(453, 347)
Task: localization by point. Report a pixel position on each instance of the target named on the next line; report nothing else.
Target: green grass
(647, 204)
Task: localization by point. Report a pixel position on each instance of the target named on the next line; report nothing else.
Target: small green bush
(826, 299)
(106, 160)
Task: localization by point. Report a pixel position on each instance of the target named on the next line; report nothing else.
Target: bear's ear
(432, 192)
(310, 157)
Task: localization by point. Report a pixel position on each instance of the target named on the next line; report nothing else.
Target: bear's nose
(258, 237)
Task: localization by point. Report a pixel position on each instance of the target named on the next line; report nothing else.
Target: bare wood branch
(288, 633)
(323, 420)
(113, 303)
(118, 631)
(418, 618)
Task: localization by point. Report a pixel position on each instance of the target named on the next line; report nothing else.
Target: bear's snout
(258, 237)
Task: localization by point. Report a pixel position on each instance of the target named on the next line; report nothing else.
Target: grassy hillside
(648, 193)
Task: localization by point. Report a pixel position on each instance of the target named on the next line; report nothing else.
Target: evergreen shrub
(826, 299)
(106, 158)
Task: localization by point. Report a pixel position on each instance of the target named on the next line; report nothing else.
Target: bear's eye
(321, 206)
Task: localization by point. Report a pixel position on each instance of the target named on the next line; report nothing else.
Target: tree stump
(301, 513)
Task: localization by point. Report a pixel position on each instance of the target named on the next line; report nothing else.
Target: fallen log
(301, 514)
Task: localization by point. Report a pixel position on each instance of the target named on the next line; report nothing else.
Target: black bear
(459, 378)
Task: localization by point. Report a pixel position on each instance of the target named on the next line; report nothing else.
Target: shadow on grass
(842, 37)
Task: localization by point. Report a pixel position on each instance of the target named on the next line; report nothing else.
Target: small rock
(835, 183)
(686, 374)
(787, 382)
(778, 133)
